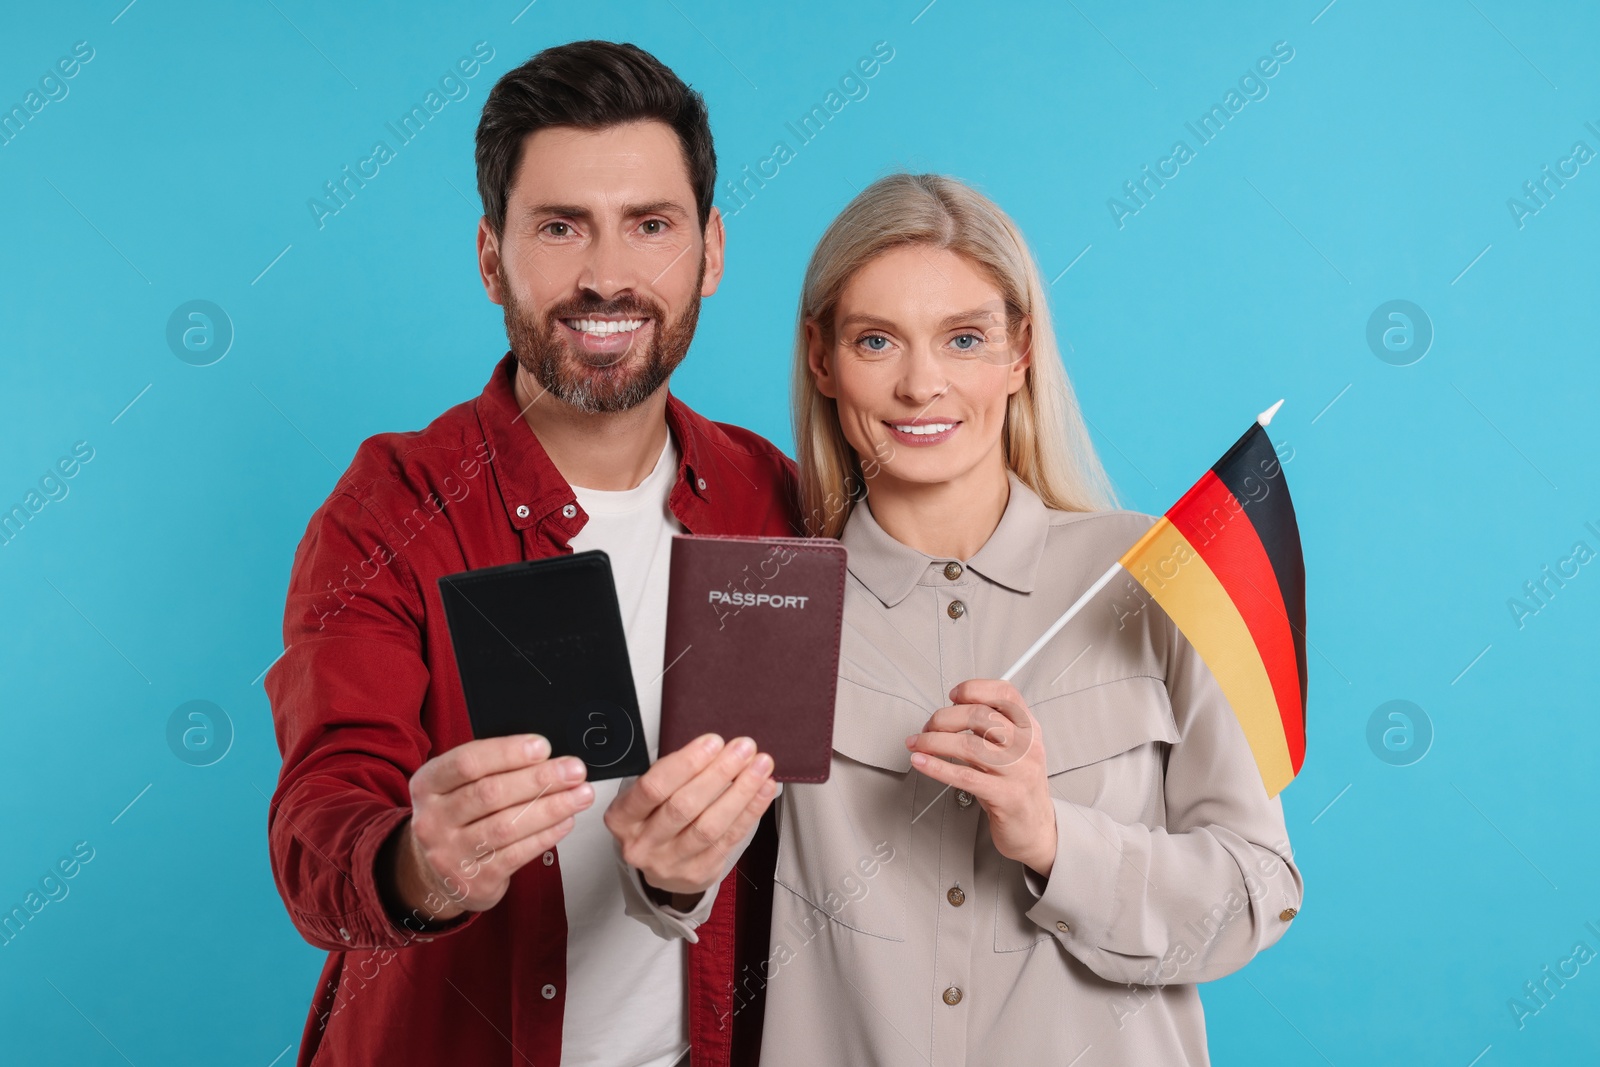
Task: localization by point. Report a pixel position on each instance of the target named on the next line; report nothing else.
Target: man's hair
(589, 85)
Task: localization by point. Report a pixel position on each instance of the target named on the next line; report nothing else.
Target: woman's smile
(922, 432)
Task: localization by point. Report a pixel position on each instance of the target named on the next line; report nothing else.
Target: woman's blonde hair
(1045, 442)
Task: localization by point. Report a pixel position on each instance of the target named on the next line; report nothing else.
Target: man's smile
(604, 335)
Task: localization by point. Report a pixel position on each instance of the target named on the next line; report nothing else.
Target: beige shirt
(900, 935)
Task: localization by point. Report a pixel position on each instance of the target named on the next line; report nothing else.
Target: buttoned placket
(954, 589)
(545, 519)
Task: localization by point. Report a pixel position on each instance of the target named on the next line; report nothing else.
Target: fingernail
(912, 740)
(536, 747)
(764, 764)
(743, 747)
(711, 742)
(584, 793)
(918, 759)
(768, 789)
(572, 768)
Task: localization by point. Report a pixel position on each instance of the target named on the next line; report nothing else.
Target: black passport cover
(540, 649)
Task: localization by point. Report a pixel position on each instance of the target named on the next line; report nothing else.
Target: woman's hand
(679, 822)
(1004, 753)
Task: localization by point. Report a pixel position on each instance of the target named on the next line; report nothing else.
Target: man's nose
(607, 267)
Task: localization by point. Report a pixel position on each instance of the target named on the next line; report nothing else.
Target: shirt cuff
(665, 920)
(1078, 902)
(370, 925)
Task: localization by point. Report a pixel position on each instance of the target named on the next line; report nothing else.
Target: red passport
(753, 647)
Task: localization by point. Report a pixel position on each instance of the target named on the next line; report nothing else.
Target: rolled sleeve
(346, 699)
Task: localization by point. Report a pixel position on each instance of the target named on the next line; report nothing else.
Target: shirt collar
(890, 570)
(533, 490)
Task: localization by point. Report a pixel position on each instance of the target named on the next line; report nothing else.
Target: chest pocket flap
(870, 726)
(1100, 721)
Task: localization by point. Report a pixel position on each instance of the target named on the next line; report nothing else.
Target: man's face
(602, 263)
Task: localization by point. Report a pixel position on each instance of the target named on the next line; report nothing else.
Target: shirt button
(548, 992)
(956, 896)
(963, 798)
(952, 570)
(522, 511)
(1288, 913)
(1063, 927)
(569, 511)
(701, 482)
(956, 609)
(549, 858)
(344, 933)
(952, 996)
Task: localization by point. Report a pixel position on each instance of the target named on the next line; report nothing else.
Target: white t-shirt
(625, 1003)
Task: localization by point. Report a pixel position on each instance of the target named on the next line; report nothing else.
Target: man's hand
(478, 813)
(677, 822)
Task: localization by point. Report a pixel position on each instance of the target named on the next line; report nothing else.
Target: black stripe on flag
(1253, 474)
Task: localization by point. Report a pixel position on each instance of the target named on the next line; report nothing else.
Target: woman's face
(921, 367)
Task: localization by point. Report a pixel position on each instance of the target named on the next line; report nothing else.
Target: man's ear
(489, 261)
(819, 363)
(1018, 371)
(716, 239)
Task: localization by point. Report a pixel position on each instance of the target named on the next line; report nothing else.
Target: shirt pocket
(844, 844)
(1106, 748)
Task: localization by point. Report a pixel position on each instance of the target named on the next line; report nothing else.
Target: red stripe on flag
(1215, 524)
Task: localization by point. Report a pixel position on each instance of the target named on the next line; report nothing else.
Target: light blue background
(1377, 168)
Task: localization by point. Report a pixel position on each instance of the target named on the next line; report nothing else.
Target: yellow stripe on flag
(1177, 577)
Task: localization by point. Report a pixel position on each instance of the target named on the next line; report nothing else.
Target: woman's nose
(922, 378)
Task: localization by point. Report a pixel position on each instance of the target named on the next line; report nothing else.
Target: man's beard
(599, 381)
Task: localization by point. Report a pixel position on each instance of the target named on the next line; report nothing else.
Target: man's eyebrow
(571, 211)
(655, 207)
(574, 211)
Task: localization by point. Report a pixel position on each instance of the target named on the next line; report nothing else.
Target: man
(468, 892)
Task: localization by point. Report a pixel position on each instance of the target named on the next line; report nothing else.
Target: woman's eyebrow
(866, 320)
(986, 311)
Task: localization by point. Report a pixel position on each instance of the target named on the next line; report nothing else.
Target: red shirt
(367, 691)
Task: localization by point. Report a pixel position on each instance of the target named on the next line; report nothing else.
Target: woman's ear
(1019, 366)
(817, 359)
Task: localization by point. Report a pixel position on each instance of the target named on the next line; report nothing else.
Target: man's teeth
(605, 326)
(924, 429)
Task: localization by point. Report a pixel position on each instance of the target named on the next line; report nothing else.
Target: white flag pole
(1066, 617)
(1264, 418)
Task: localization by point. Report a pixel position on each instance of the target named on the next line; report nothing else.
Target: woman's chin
(926, 468)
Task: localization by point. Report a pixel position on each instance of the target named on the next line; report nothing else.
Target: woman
(1035, 873)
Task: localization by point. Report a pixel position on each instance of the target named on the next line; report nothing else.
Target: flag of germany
(1225, 563)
